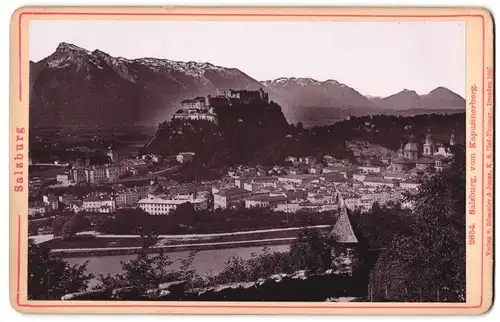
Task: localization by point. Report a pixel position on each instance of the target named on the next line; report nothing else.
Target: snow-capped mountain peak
(303, 81)
(67, 47)
(305, 91)
(334, 82)
(145, 90)
(67, 54)
(191, 68)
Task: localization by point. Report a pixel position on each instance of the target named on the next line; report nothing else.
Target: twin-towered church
(412, 158)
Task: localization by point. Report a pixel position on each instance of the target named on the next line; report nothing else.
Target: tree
(378, 227)
(147, 271)
(68, 230)
(62, 226)
(49, 277)
(58, 224)
(429, 258)
(129, 221)
(99, 223)
(310, 251)
(32, 229)
(80, 222)
(184, 214)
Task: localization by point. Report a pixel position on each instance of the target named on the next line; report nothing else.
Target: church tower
(112, 155)
(452, 139)
(401, 151)
(428, 145)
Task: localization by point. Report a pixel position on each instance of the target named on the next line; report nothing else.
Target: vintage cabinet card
(251, 160)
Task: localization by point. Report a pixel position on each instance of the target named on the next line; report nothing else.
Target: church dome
(411, 145)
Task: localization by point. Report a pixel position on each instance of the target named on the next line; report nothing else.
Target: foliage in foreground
(49, 277)
(309, 252)
(425, 259)
(147, 271)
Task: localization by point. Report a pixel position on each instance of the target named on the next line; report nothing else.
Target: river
(210, 261)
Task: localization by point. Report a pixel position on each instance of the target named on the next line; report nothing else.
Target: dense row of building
(300, 184)
(152, 199)
(158, 202)
(307, 183)
(311, 192)
(126, 177)
(110, 172)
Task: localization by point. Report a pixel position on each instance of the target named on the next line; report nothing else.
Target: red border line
(482, 172)
(243, 14)
(248, 306)
(19, 58)
(18, 259)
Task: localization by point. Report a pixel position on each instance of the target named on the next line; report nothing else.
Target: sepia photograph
(247, 161)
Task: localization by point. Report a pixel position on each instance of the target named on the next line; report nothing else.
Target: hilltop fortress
(201, 108)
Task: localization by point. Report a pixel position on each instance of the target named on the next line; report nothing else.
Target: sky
(375, 58)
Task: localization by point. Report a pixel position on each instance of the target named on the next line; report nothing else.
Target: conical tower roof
(342, 232)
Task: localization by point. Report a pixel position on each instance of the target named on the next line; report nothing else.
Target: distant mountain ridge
(312, 101)
(308, 91)
(75, 86)
(439, 98)
(307, 97)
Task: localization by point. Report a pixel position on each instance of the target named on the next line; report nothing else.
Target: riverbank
(114, 251)
(92, 244)
(209, 262)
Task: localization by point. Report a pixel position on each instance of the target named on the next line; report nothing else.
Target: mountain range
(439, 98)
(74, 86)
